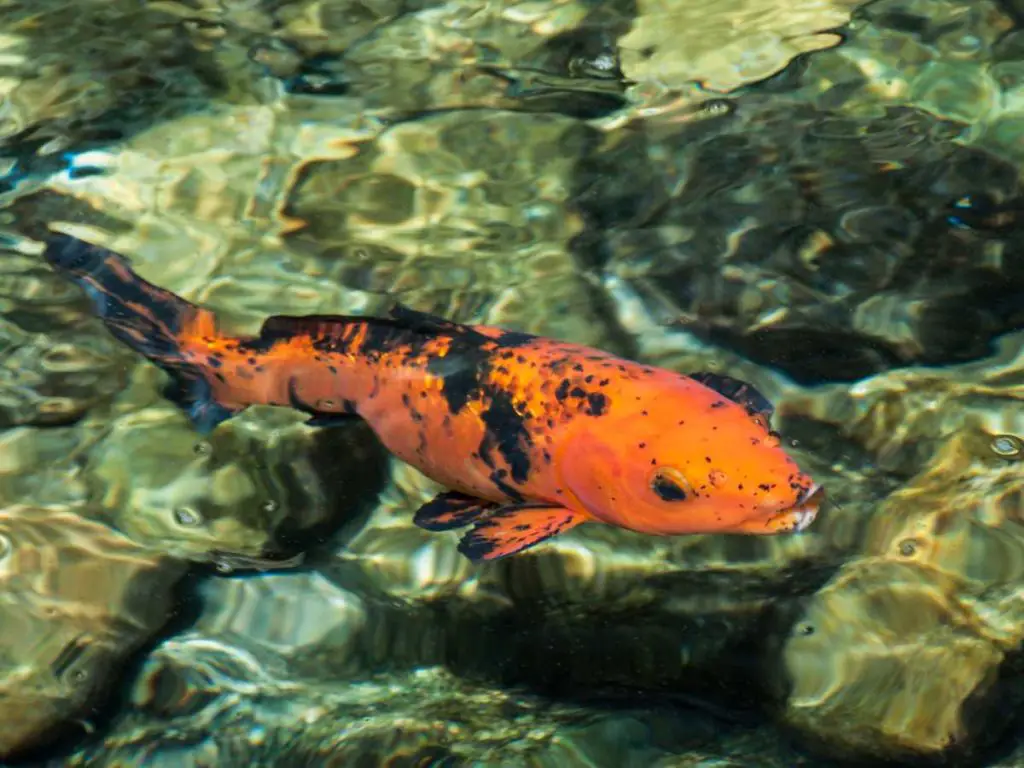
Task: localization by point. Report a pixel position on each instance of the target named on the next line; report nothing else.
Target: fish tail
(155, 323)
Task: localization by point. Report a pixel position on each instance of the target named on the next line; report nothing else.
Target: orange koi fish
(532, 436)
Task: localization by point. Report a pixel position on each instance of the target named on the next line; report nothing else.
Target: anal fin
(514, 528)
(451, 510)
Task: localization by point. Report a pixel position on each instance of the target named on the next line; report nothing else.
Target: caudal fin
(148, 319)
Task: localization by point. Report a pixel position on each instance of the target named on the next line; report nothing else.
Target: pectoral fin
(514, 528)
(451, 510)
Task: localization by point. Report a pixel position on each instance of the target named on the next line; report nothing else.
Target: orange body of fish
(532, 436)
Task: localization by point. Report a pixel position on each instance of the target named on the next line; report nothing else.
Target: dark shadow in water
(353, 467)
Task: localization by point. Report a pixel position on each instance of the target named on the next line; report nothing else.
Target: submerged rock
(473, 54)
(78, 600)
(829, 259)
(93, 72)
(453, 214)
(885, 665)
(831, 222)
(289, 614)
(902, 419)
(726, 45)
(228, 707)
(909, 651)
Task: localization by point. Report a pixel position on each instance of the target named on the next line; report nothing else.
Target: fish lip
(807, 506)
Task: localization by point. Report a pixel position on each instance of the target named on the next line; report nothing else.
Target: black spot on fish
(577, 392)
(460, 374)
(598, 403)
(507, 430)
(513, 339)
(563, 390)
(498, 478)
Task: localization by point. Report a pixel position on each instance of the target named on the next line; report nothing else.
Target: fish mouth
(790, 520)
(803, 513)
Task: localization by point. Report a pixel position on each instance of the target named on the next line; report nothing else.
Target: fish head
(694, 464)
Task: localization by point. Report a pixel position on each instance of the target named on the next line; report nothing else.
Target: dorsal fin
(339, 327)
(738, 391)
(424, 322)
(316, 326)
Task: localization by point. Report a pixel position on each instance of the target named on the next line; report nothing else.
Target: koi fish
(531, 436)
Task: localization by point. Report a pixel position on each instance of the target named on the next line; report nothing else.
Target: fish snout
(805, 510)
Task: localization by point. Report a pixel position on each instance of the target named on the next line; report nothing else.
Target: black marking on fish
(738, 391)
(487, 536)
(506, 428)
(450, 510)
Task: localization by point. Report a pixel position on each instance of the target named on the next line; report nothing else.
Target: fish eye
(670, 484)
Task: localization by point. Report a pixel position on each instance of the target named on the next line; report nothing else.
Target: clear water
(820, 197)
